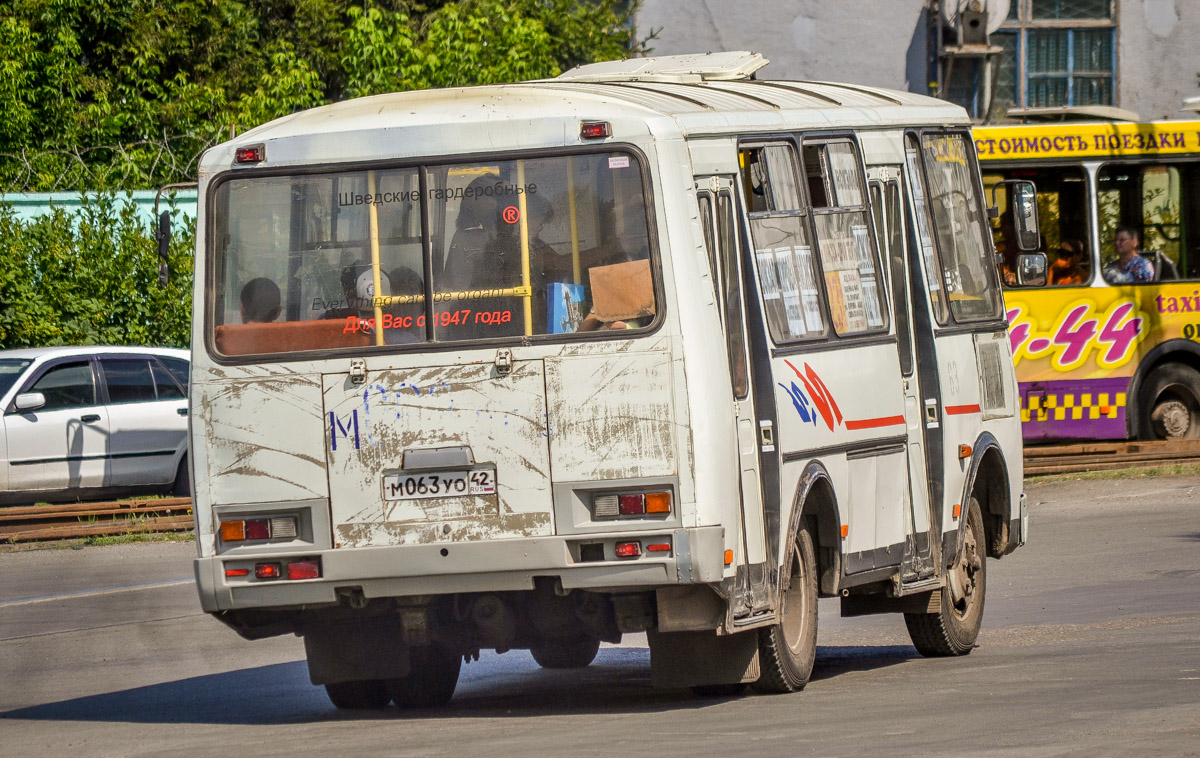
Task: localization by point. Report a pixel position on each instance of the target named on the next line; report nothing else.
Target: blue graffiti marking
(336, 427)
(801, 402)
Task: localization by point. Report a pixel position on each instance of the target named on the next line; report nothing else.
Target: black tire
(183, 485)
(954, 628)
(431, 680)
(788, 649)
(1169, 404)
(358, 695)
(574, 653)
(712, 691)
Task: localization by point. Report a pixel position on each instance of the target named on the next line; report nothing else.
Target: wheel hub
(1171, 419)
(963, 579)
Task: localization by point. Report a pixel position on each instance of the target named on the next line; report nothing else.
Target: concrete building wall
(883, 42)
(1158, 56)
(874, 42)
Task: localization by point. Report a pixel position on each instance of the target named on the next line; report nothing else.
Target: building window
(1057, 52)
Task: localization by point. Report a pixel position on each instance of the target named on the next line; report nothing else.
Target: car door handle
(89, 418)
(181, 411)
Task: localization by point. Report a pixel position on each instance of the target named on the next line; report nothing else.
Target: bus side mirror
(1031, 269)
(163, 236)
(1025, 219)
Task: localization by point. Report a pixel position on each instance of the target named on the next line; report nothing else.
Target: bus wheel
(953, 629)
(431, 680)
(358, 695)
(575, 653)
(1171, 403)
(788, 649)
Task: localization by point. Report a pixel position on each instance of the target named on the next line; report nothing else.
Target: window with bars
(1056, 52)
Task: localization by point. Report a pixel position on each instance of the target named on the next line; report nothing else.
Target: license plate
(428, 484)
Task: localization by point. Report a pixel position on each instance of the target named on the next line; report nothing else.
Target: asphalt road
(1091, 646)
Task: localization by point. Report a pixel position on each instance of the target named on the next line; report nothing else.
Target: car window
(11, 370)
(168, 389)
(68, 385)
(129, 380)
(180, 369)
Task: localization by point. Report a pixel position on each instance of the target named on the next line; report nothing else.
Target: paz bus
(1101, 361)
(653, 346)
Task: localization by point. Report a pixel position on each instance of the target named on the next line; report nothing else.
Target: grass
(1133, 472)
(100, 540)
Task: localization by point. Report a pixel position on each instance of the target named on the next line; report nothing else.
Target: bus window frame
(950, 322)
(1138, 163)
(421, 165)
(829, 339)
(1091, 217)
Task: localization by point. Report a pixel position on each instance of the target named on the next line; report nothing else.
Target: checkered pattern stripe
(1071, 406)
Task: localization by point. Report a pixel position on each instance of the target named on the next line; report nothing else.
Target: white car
(89, 422)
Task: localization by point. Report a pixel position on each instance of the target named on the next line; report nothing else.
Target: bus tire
(1170, 403)
(358, 695)
(954, 628)
(432, 677)
(574, 653)
(788, 649)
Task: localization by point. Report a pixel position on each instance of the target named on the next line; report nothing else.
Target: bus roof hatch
(697, 67)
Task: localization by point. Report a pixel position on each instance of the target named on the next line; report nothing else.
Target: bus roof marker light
(250, 154)
(595, 130)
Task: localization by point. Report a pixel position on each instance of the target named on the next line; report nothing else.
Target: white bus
(653, 346)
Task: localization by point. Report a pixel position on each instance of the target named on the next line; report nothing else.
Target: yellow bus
(1097, 360)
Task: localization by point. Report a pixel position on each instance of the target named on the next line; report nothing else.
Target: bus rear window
(508, 249)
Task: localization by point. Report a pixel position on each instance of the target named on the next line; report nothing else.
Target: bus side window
(782, 250)
(886, 208)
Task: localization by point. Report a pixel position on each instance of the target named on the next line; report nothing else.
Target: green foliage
(91, 277)
(119, 95)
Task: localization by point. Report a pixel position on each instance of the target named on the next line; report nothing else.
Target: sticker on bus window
(808, 289)
(871, 302)
(618, 161)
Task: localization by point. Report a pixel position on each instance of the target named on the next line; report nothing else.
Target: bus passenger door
(888, 210)
(718, 216)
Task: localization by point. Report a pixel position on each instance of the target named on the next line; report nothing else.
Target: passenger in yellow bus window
(1068, 265)
(260, 301)
(1130, 266)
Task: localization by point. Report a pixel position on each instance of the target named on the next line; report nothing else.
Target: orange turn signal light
(233, 531)
(728, 557)
(658, 547)
(845, 530)
(957, 510)
(964, 451)
(658, 502)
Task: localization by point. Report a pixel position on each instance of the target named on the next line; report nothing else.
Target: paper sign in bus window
(809, 300)
(790, 290)
(767, 275)
(622, 291)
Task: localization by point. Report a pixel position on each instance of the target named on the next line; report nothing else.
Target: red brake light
(251, 154)
(633, 505)
(258, 529)
(237, 572)
(304, 570)
(628, 549)
(266, 570)
(659, 547)
(594, 130)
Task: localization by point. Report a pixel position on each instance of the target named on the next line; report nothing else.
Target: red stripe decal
(873, 423)
(958, 410)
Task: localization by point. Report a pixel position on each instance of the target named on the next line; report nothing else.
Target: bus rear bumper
(696, 556)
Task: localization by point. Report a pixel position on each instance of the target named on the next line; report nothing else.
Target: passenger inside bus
(260, 302)
(1130, 266)
(1068, 267)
